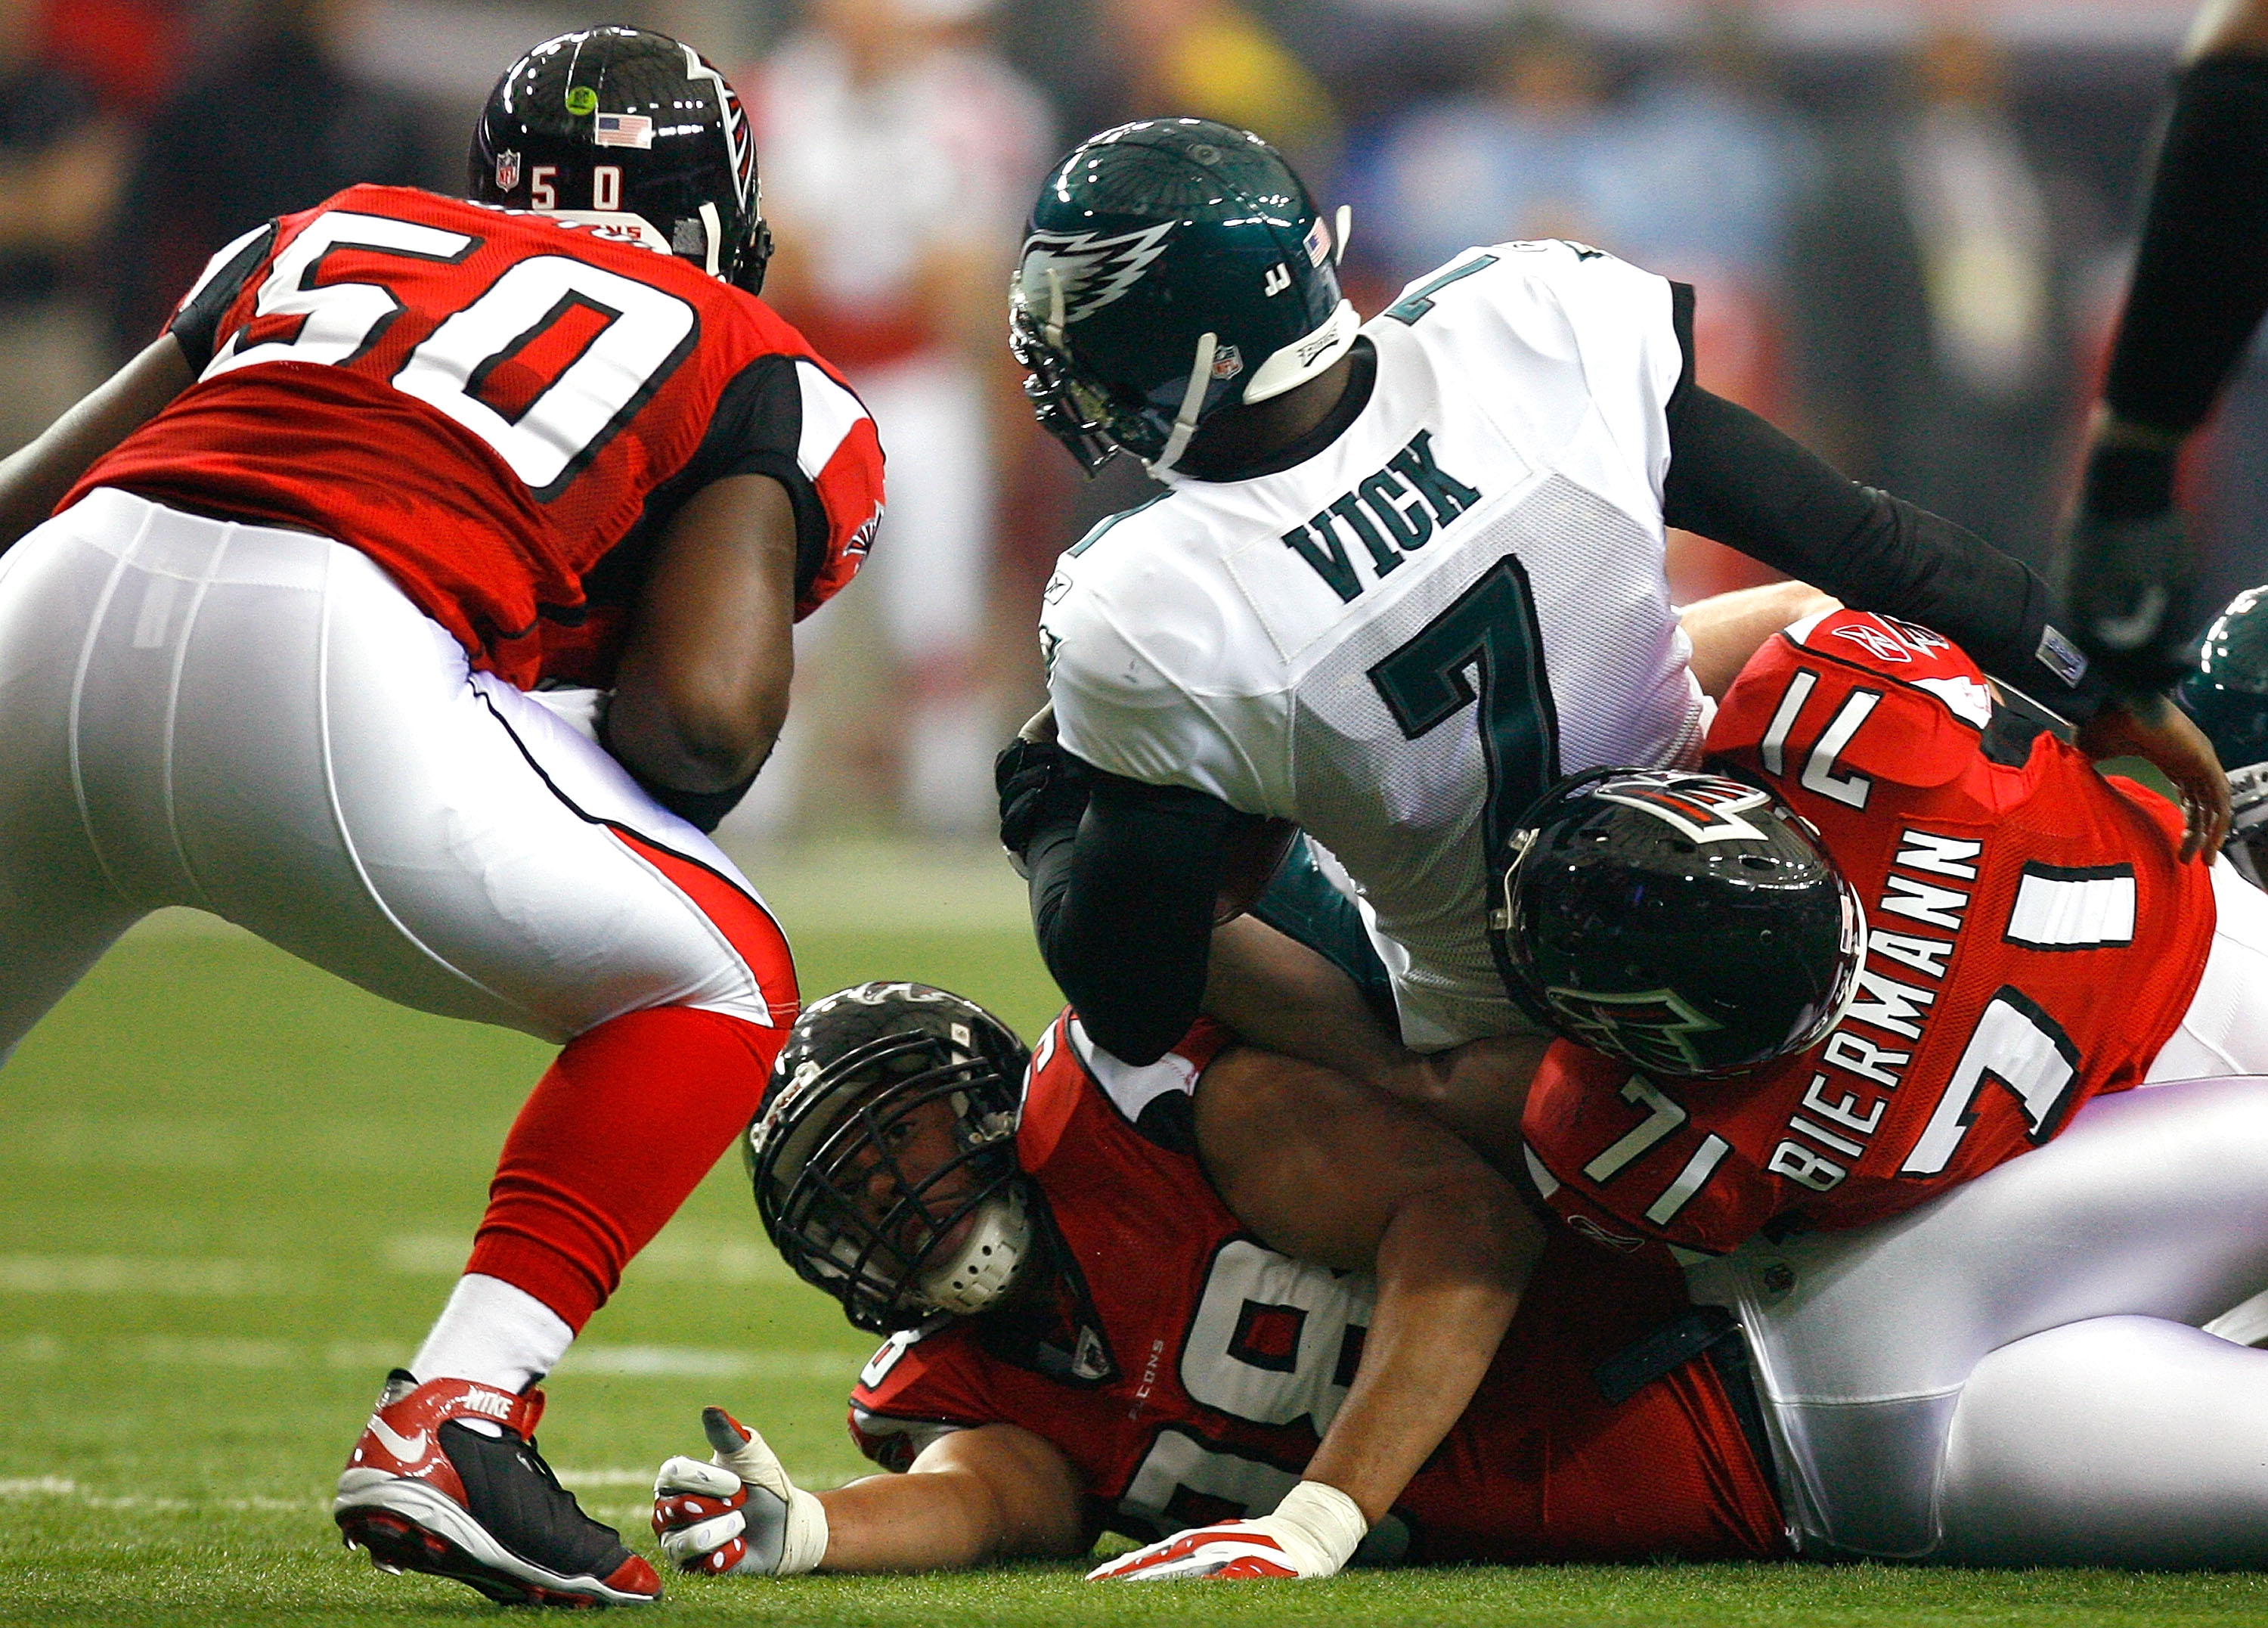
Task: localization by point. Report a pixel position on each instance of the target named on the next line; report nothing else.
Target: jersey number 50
(599, 344)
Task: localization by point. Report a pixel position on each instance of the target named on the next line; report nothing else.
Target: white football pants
(2014, 1374)
(258, 722)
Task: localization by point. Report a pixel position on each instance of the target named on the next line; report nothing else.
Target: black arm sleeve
(1123, 902)
(754, 430)
(195, 327)
(2200, 279)
(1734, 478)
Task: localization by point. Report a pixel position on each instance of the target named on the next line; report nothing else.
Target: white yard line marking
(126, 1274)
(690, 1362)
(58, 1486)
(691, 1254)
(596, 1361)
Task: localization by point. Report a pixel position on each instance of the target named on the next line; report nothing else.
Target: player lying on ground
(1147, 1365)
(1995, 936)
(1105, 1326)
(1406, 573)
(398, 460)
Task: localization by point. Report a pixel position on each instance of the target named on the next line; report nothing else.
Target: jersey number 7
(1488, 632)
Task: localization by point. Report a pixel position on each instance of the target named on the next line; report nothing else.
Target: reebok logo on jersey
(1375, 512)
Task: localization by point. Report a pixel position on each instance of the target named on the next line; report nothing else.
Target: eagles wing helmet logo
(1653, 1027)
(1094, 270)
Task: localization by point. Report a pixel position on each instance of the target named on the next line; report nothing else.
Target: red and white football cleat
(446, 1479)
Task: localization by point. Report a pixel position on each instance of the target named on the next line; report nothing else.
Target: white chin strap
(1185, 421)
(984, 1267)
(715, 228)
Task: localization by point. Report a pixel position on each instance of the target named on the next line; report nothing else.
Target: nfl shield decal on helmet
(507, 171)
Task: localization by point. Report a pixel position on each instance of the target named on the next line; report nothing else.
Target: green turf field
(236, 1192)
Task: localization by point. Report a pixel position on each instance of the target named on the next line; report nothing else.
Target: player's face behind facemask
(1172, 270)
(2228, 696)
(1691, 925)
(632, 130)
(884, 1157)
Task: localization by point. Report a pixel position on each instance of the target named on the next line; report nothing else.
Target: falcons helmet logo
(1655, 1027)
(1700, 807)
(1091, 272)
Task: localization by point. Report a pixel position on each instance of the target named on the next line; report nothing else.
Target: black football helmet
(1686, 923)
(850, 1098)
(2228, 694)
(622, 127)
(1171, 270)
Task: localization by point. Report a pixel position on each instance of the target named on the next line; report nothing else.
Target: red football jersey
(502, 409)
(2033, 939)
(1187, 1372)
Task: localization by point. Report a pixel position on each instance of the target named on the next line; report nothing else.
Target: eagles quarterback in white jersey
(1405, 574)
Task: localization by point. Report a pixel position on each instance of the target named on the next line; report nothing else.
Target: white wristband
(805, 1544)
(1326, 1517)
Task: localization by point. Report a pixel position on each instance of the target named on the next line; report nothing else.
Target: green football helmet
(2228, 694)
(1172, 270)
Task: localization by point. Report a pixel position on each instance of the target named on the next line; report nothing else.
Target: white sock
(495, 1334)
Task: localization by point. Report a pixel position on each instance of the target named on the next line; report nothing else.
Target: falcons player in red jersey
(1108, 1322)
(419, 600)
(1111, 1316)
(1880, 1041)
(2021, 937)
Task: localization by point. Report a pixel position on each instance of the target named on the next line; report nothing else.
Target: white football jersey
(1399, 642)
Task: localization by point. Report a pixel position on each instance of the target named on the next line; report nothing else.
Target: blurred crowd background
(1909, 224)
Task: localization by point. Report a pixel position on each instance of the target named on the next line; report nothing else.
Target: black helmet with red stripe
(628, 129)
(1689, 925)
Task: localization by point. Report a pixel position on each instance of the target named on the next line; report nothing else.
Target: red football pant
(620, 1130)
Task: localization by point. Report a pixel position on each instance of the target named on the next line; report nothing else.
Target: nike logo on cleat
(408, 1449)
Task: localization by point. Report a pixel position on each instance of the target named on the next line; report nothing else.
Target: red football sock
(620, 1130)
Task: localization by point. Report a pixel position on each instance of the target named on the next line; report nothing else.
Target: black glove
(1041, 785)
(2129, 574)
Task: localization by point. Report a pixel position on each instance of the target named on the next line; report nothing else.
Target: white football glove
(1313, 1532)
(739, 1513)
